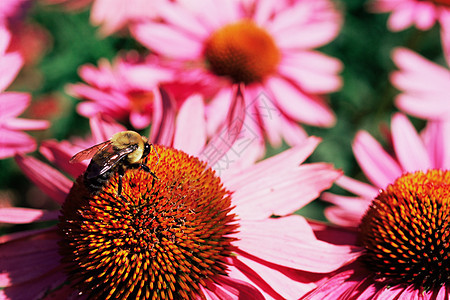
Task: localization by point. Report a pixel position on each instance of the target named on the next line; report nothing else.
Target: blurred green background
(365, 101)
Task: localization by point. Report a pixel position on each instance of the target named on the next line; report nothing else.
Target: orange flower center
(406, 231)
(161, 239)
(243, 52)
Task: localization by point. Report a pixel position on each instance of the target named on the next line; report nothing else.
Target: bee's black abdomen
(95, 184)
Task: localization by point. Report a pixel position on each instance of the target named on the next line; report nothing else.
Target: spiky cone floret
(162, 238)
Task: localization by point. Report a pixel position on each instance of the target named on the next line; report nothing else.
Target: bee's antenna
(157, 154)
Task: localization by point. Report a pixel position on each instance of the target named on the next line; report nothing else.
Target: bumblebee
(124, 150)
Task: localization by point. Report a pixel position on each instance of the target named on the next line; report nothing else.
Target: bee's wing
(107, 158)
(88, 153)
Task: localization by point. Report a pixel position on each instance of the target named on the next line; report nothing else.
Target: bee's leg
(119, 184)
(147, 169)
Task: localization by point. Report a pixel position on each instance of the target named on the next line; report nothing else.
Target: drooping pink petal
(24, 259)
(409, 148)
(51, 181)
(190, 129)
(13, 104)
(379, 167)
(348, 210)
(401, 18)
(104, 127)
(281, 193)
(229, 133)
(140, 120)
(231, 288)
(286, 160)
(357, 187)
(26, 124)
(308, 109)
(15, 215)
(12, 142)
(37, 288)
(300, 249)
(24, 234)
(318, 20)
(424, 107)
(60, 154)
(182, 19)
(272, 280)
(163, 126)
(313, 71)
(10, 65)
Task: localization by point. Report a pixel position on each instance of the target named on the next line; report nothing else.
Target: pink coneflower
(124, 90)
(424, 85)
(400, 223)
(12, 104)
(421, 13)
(157, 240)
(266, 45)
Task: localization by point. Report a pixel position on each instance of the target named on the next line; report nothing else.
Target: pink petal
(357, 187)
(10, 65)
(336, 235)
(23, 234)
(181, 18)
(140, 120)
(25, 259)
(348, 212)
(13, 215)
(49, 180)
(423, 107)
(300, 106)
(401, 18)
(281, 193)
(26, 124)
(293, 133)
(163, 126)
(409, 148)
(229, 133)
(13, 104)
(37, 288)
(167, 40)
(306, 25)
(437, 144)
(190, 132)
(12, 142)
(231, 288)
(286, 160)
(264, 9)
(377, 165)
(60, 154)
(341, 285)
(300, 248)
(5, 38)
(314, 72)
(104, 127)
(272, 280)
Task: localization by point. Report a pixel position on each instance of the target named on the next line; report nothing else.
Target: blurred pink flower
(424, 85)
(267, 45)
(124, 90)
(279, 185)
(12, 104)
(392, 216)
(421, 13)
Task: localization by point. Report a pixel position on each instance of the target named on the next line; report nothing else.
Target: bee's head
(147, 149)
